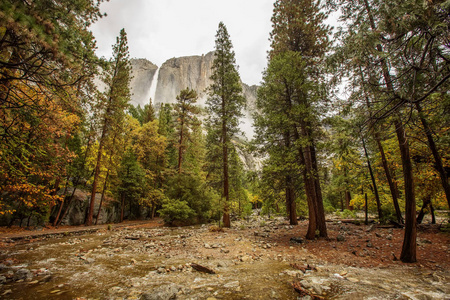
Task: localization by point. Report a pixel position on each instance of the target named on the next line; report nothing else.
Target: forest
(347, 120)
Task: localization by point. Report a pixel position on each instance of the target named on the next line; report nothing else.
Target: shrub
(193, 192)
(176, 212)
(348, 214)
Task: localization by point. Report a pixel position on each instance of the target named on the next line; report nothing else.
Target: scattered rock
(340, 238)
(165, 292)
(22, 274)
(297, 240)
(246, 258)
(231, 285)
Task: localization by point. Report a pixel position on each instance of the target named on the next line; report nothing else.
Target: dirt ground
(258, 258)
(347, 243)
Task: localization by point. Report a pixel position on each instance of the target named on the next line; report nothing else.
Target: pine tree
(114, 103)
(299, 40)
(185, 113)
(225, 104)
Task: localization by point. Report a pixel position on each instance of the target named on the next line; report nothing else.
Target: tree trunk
(96, 175)
(426, 202)
(392, 187)
(348, 198)
(102, 198)
(226, 208)
(409, 242)
(433, 217)
(320, 212)
(366, 210)
(289, 186)
(290, 201)
(374, 183)
(437, 158)
(62, 203)
(180, 149)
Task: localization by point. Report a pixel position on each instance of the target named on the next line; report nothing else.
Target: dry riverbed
(255, 259)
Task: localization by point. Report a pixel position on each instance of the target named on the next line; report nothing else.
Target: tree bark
(426, 202)
(435, 152)
(102, 198)
(409, 242)
(289, 187)
(366, 210)
(320, 212)
(226, 195)
(374, 183)
(180, 149)
(392, 187)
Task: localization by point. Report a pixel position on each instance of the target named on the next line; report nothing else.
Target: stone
(297, 240)
(164, 292)
(2, 279)
(231, 284)
(340, 238)
(22, 274)
(246, 258)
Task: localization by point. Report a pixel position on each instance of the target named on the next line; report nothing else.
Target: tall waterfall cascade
(152, 90)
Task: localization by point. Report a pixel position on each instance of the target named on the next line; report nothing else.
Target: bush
(176, 212)
(193, 192)
(347, 214)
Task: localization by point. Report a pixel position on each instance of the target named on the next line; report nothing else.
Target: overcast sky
(161, 29)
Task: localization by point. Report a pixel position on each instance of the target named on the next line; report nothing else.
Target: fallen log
(134, 238)
(350, 221)
(202, 269)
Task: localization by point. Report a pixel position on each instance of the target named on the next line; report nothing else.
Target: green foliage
(224, 105)
(177, 212)
(143, 115)
(194, 192)
(131, 177)
(346, 213)
(185, 114)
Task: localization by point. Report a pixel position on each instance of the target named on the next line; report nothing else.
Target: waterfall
(152, 90)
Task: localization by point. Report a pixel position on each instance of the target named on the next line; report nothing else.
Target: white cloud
(162, 29)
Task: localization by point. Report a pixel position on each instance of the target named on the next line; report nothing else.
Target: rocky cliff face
(143, 72)
(177, 74)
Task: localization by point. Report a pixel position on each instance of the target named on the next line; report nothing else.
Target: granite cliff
(143, 72)
(179, 73)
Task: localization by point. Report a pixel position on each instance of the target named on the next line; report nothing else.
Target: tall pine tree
(185, 116)
(113, 102)
(225, 104)
(299, 39)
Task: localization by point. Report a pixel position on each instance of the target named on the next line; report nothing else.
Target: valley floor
(255, 259)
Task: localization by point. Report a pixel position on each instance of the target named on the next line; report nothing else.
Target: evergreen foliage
(224, 105)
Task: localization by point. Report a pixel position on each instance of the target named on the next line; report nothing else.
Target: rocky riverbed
(254, 260)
